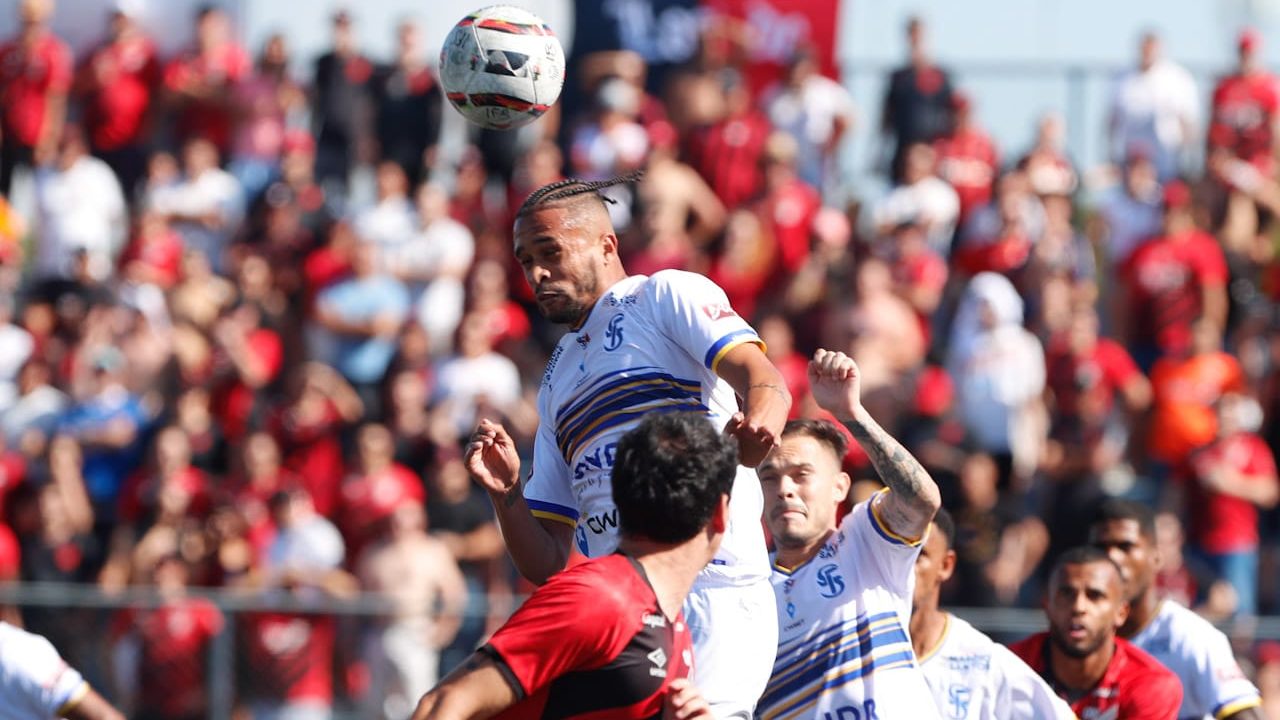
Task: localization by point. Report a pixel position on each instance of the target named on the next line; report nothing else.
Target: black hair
(669, 474)
(946, 526)
(1117, 509)
(1084, 555)
(572, 188)
(824, 431)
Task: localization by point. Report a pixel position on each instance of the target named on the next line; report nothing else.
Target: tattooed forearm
(914, 495)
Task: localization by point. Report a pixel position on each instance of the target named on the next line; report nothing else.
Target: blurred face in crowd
(488, 282)
(198, 157)
(408, 40)
(916, 41)
(919, 163)
(213, 30)
(934, 566)
(1131, 550)
(1148, 51)
(392, 182)
(474, 337)
(433, 202)
(979, 478)
(409, 518)
(344, 39)
(408, 391)
(170, 574)
(803, 486)
(1083, 330)
(364, 259)
(568, 253)
(261, 455)
(1140, 176)
(1086, 606)
(375, 446)
(173, 450)
(1238, 413)
(72, 146)
(32, 13)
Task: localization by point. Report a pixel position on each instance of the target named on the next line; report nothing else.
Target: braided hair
(572, 188)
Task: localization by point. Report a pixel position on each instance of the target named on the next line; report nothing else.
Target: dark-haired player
(637, 345)
(972, 676)
(607, 638)
(844, 590)
(1198, 653)
(1100, 675)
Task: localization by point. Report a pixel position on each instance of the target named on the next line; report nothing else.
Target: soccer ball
(502, 67)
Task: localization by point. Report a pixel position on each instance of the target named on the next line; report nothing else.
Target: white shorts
(735, 639)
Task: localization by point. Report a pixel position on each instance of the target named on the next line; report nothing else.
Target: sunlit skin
(803, 485)
(1139, 560)
(569, 255)
(1086, 606)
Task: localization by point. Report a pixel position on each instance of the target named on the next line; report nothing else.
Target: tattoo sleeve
(914, 493)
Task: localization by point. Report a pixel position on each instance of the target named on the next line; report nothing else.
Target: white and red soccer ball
(502, 67)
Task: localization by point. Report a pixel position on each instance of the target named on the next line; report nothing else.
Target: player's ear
(1122, 614)
(840, 487)
(948, 566)
(720, 517)
(609, 243)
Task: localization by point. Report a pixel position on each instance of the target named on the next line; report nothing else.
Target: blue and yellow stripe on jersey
(808, 668)
(552, 511)
(721, 347)
(1231, 707)
(883, 529)
(620, 398)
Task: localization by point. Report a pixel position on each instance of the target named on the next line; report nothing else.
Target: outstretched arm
(913, 499)
(539, 548)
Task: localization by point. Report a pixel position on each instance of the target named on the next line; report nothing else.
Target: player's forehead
(798, 450)
(549, 225)
(1096, 575)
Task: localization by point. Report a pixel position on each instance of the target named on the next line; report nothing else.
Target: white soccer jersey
(651, 344)
(1213, 685)
(35, 684)
(975, 678)
(843, 648)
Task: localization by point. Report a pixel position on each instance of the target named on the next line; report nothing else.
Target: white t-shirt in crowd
(1157, 109)
(80, 208)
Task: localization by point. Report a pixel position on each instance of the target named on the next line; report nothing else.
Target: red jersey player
(1100, 675)
(606, 638)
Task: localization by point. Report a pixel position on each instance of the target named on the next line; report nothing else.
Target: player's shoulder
(602, 585)
(969, 638)
(27, 652)
(1184, 631)
(676, 281)
(1141, 667)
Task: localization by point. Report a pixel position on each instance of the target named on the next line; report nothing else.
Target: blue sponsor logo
(851, 712)
(830, 583)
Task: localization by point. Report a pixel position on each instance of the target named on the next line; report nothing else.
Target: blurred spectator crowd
(219, 367)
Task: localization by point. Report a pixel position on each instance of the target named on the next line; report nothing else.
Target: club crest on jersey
(613, 333)
(830, 583)
(958, 698)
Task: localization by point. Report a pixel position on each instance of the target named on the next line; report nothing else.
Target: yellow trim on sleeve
(715, 361)
(884, 528)
(942, 640)
(1237, 706)
(544, 515)
(76, 698)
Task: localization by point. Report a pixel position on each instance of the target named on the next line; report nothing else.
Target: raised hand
(492, 460)
(684, 702)
(836, 384)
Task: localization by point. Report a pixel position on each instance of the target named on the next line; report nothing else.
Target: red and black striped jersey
(592, 643)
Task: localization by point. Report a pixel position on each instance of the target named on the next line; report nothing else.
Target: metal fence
(87, 626)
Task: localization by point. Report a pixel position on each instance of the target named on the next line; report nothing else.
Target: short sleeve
(1218, 683)
(695, 313)
(47, 684)
(548, 491)
(891, 557)
(1025, 693)
(1262, 462)
(566, 625)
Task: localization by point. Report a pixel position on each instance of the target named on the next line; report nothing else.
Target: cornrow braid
(573, 187)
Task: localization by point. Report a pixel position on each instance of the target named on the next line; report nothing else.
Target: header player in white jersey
(972, 676)
(638, 345)
(35, 683)
(1213, 685)
(844, 591)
